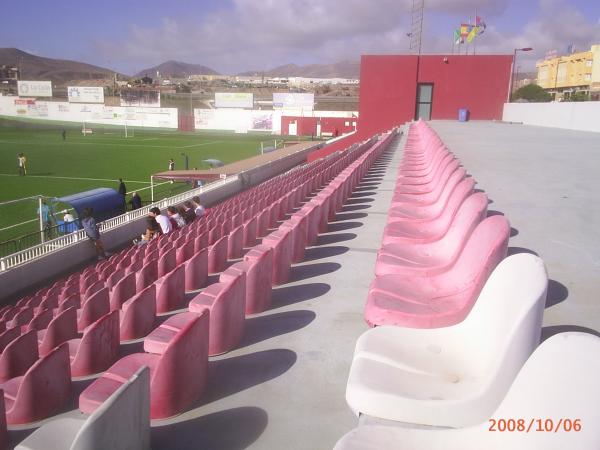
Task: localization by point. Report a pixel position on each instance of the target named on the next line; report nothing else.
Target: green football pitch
(56, 168)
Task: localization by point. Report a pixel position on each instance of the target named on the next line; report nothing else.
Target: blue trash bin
(463, 115)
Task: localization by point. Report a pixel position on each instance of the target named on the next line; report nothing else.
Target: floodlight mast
(416, 26)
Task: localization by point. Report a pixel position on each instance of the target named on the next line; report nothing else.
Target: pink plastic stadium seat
(444, 299)
(200, 242)
(22, 317)
(407, 207)
(258, 278)
(18, 356)
(250, 231)
(114, 277)
(39, 321)
(3, 429)
(298, 224)
(147, 275)
(93, 308)
(138, 315)
(98, 348)
(170, 291)
(196, 271)
(431, 258)
(92, 289)
(167, 262)
(235, 243)
(122, 291)
(426, 188)
(226, 303)
(71, 301)
(42, 391)
(281, 243)
(178, 361)
(7, 336)
(428, 229)
(62, 328)
(184, 252)
(217, 255)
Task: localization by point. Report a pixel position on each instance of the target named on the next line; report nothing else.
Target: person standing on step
(93, 232)
(136, 201)
(122, 191)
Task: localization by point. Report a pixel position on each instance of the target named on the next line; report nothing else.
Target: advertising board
(234, 100)
(85, 94)
(34, 88)
(140, 97)
(285, 100)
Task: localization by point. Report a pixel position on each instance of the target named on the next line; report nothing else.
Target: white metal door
(293, 128)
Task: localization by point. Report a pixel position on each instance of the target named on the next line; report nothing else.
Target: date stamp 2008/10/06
(535, 425)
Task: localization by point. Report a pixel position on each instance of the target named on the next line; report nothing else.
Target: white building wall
(582, 116)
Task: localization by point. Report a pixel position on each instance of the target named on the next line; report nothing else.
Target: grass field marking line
(73, 178)
(19, 224)
(149, 139)
(73, 142)
(199, 145)
(149, 187)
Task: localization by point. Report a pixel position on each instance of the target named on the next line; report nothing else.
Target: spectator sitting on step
(176, 220)
(153, 230)
(163, 221)
(188, 212)
(198, 208)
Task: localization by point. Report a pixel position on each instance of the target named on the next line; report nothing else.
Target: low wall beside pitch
(91, 113)
(581, 116)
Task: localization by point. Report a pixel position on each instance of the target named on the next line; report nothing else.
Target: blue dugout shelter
(105, 202)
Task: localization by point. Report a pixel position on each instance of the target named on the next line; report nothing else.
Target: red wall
(307, 126)
(387, 92)
(476, 82)
(388, 87)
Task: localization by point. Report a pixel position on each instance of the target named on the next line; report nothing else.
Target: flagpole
(474, 43)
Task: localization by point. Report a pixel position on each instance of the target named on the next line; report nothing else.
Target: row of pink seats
(438, 247)
(111, 291)
(217, 324)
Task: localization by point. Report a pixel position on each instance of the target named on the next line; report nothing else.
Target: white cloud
(254, 34)
(555, 27)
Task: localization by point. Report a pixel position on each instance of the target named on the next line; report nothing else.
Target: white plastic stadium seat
(454, 376)
(122, 422)
(557, 386)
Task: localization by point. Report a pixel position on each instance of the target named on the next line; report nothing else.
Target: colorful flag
(457, 38)
(472, 34)
(464, 30)
(480, 24)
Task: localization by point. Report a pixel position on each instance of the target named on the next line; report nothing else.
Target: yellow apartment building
(578, 72)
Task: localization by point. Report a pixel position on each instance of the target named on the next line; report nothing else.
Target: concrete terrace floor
(284, 387)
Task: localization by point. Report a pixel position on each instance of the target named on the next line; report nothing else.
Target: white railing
(37, 251)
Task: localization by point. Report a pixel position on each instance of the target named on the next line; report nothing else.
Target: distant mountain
(342, 69)
(176, 69)
(58, 71)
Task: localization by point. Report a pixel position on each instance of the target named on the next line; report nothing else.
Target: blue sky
(238, 35)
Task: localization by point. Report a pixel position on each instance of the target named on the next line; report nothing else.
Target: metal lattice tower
(416, 26)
